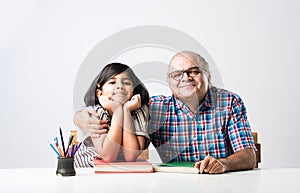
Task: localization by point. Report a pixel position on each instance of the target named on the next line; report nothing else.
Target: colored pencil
(62, 141)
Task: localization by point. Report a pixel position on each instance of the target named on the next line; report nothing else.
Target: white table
(40, 180)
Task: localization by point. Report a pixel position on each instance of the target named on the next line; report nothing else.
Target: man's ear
(209, 79)
(98, 92)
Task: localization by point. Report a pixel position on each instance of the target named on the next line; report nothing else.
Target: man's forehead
(182, 61)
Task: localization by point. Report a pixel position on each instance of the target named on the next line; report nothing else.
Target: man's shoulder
(221, 92)
(223, 95)
(160, 99)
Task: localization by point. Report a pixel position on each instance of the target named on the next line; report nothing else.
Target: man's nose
(186, 76)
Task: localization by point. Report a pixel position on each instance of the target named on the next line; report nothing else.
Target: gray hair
(197, 60)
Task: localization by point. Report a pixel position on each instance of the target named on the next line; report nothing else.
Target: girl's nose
(119, 86)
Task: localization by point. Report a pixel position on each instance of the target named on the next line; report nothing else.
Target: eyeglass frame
(187, 71)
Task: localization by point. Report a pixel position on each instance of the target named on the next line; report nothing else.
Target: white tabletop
(40, 180)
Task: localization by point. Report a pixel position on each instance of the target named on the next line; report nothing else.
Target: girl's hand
(105, 102)
(108, 104)
(134, 103)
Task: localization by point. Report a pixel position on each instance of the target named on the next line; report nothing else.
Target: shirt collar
(209, 100)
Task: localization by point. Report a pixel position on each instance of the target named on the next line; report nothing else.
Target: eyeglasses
(191, 72)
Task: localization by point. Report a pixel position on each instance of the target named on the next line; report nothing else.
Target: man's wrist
(224, 164)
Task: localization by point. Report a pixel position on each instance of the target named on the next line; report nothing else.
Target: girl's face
(118, 88)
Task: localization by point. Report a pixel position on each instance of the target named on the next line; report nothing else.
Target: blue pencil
(58, 155)
(77, 148)
(56, 140)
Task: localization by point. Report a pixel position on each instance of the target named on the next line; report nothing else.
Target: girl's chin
(120, 99)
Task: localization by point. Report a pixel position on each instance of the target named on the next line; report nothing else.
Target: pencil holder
(65, 166)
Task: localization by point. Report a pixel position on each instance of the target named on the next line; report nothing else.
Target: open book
(177, 167)
(139, 166)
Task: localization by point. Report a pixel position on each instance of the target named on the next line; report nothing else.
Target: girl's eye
(111, 82)
(127, 83)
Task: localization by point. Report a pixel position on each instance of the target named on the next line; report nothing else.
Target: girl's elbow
(109, 158)
(130, 158)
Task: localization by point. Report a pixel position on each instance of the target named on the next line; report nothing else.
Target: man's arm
(242, 160)
(87, 120)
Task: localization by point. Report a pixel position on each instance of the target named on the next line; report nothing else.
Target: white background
(255, 45)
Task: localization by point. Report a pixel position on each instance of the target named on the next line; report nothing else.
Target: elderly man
(198, 123)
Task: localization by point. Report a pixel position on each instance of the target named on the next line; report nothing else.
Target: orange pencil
(59, 150)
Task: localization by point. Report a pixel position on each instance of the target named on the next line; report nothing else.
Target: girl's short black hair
(109, 71)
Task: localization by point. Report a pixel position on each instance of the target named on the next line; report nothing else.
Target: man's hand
(243, 159)
(88, 121)
(210, 165)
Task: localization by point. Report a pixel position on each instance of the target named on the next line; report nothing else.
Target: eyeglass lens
(176, 75)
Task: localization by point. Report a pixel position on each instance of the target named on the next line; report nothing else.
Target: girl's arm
(132, 144)
(108, 145)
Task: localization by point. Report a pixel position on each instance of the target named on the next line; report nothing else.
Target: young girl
(121, 99)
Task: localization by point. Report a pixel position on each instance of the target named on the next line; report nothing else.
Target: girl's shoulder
(141, 111)
(102, 112)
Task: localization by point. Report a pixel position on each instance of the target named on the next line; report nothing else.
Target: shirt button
(195, 137)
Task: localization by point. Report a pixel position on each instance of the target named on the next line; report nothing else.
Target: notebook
(139, 166)
(177, 167)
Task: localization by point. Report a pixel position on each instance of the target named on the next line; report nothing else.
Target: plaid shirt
(218, 128)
